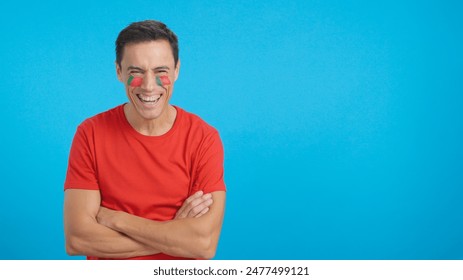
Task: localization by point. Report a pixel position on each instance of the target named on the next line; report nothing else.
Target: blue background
(341, 120)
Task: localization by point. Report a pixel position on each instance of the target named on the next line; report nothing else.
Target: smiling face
(148, 72)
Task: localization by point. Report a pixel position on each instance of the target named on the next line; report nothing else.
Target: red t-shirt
(147, 176)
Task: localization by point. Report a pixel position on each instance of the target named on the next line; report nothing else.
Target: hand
(195, 206)
(106, 216)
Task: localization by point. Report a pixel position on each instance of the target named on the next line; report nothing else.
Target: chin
(149, 115)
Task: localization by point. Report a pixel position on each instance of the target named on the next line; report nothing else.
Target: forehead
(148, 54)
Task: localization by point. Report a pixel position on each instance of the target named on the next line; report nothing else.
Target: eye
(161, 71)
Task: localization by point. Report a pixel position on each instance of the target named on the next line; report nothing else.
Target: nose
(149, 82)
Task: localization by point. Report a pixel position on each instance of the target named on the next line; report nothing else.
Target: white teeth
(145, 98)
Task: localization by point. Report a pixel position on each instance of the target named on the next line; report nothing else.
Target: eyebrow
(161, 68)
(135, 68)
(141, 69)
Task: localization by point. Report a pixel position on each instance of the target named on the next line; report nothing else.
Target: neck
(151, 127)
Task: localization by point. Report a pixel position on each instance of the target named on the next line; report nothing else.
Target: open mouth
(149, 99)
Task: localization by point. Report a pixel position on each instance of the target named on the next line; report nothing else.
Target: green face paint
(134, 81)
(137, 81)
(162, 81)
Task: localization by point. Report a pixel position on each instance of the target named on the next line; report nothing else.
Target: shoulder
(195, 124)
(202, 136)
(102, 120)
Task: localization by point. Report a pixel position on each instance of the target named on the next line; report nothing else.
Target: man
(145, 179)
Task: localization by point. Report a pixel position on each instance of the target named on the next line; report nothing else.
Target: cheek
(134, 81)
(163, 81)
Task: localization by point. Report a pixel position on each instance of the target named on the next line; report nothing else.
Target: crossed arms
(94, 230)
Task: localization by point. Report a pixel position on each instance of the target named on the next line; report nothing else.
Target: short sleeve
(210, 168)
(81, 173)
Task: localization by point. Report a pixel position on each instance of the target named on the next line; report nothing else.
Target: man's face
(147, 60)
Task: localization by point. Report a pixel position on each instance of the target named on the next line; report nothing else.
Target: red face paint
(134, 81)
(162, 81)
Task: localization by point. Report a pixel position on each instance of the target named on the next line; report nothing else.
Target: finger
(200, 200)
(186, 206)
(199, 208)
(194, 207)
(194, 196)
(202, 212)
(181, 213)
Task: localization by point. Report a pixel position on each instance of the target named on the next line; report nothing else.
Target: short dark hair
(145, 31)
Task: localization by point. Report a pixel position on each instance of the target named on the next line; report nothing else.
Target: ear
(177, 69)
(118, 72)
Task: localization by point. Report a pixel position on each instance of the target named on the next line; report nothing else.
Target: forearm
(189, 238)
(93, 239)
(96, 240)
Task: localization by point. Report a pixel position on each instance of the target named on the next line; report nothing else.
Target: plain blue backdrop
(342, 120)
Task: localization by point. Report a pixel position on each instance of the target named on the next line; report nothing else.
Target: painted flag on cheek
(134, 81)
(162, 81)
